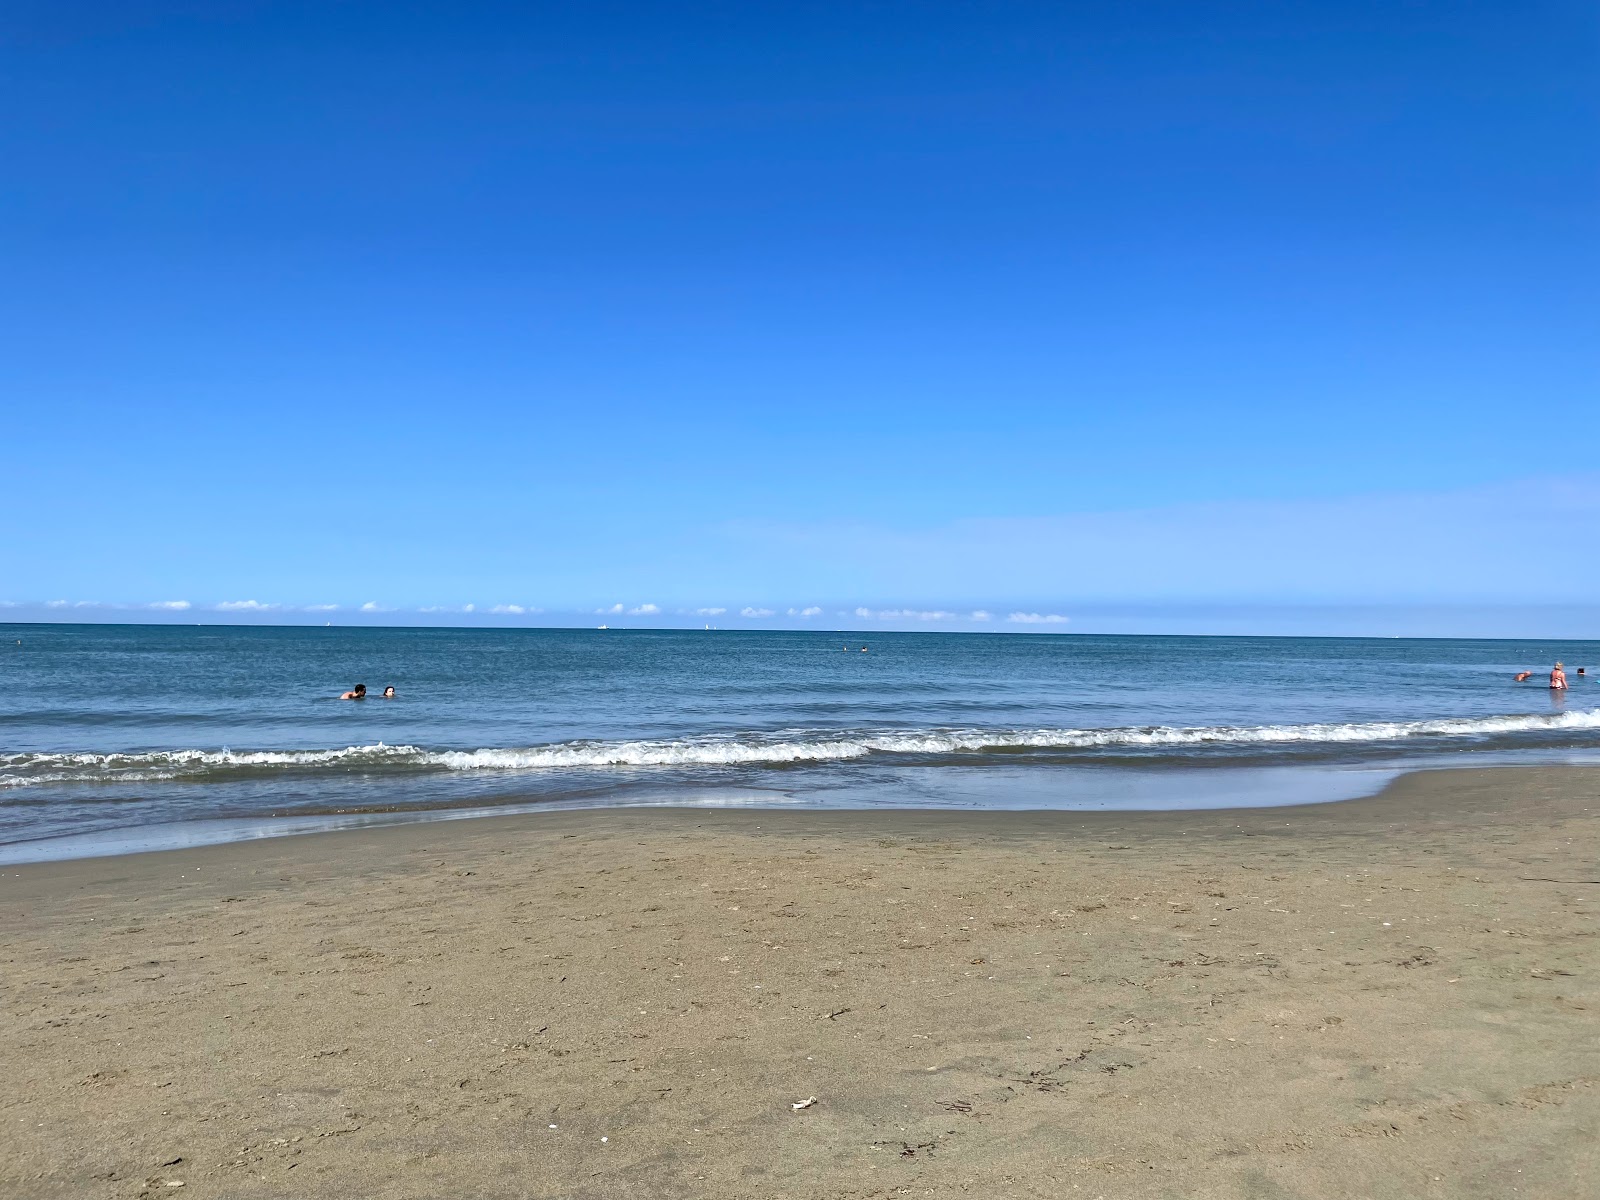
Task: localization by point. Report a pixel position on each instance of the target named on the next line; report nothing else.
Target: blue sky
(1047, 309)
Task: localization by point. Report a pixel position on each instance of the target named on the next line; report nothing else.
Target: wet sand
(1394, 996)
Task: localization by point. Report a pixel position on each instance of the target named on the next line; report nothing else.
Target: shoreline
(1386, 996)
(1120, 789)
(1402, 795)
(1030, 789)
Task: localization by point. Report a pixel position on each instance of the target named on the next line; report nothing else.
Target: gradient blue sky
(910, 308)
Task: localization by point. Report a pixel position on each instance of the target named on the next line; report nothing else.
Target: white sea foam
(755, 749)
(823, 747)
(20, 770)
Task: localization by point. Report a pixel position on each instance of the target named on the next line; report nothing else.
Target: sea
(132, 737)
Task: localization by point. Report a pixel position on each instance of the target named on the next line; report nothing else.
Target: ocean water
(117, 736)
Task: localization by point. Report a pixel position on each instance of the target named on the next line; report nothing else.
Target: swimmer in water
(388, 692)
(1558, 679)
(1524, 675)
(359, 693)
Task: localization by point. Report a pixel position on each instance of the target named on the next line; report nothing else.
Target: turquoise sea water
(125, 730)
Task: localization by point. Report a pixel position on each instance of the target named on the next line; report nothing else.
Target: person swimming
(1522, 676)
(388, 692)
(358, 693)
(1558, 679)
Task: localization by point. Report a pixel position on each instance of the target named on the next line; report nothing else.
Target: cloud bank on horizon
(652, 613)
(1525, 543)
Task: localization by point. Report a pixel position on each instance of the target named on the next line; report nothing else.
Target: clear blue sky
(908, 307)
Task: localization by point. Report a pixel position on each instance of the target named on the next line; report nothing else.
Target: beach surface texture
(1390, 997)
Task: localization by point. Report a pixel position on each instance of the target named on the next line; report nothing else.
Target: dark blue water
(128, 727)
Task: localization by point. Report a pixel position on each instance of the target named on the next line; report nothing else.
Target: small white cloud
(1025, 618)
(469, 608)
(978, 614)
(512, 609)
(644, 610)
(374, 606)
(244, 606)
(905, 614)
(709, 612)
(615, 608)
(755, 612)
(322, 608)
(812, 611)
(169, 605)
(58, 603)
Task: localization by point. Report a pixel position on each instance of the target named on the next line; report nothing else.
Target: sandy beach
(1394, 996)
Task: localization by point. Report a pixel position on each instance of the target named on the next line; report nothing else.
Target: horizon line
(1032, 633)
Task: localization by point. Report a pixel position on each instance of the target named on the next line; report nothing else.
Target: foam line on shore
(773, 748)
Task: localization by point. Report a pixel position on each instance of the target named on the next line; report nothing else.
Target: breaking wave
(780, 748)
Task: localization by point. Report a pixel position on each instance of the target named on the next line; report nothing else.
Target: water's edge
(1029, 790)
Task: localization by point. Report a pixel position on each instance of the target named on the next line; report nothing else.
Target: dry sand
(1386, 997)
